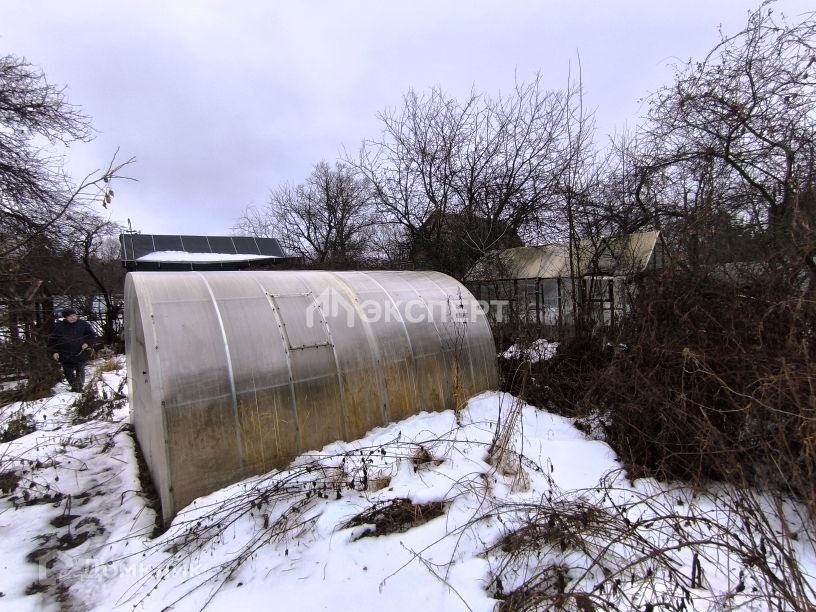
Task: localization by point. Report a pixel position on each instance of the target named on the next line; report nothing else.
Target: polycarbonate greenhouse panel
(233, 374)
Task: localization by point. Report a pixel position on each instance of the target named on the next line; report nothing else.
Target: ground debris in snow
(538, 350)
(394, 516)
(500, 505)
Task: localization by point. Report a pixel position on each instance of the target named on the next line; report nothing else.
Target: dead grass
(423, 459)
(97, 400)
(395, 516)
(9, 482)
(110, 365)
(560, 529)
(17, 427)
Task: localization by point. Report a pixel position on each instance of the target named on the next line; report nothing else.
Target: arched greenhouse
(232, 374)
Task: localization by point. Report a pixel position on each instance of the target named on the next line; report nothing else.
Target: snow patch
(539, 350)
(184, 256)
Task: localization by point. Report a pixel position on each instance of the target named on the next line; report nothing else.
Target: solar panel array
(134, 246)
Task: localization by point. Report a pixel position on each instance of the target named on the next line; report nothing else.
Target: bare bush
(283, 506)
(716, 385)
(610, 549)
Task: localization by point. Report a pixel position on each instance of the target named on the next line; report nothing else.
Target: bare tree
(463, 178)
(733, 137)
(32, 185)
(40, 209)
(94, 244)
(35, 193)
(258, 222)
(327, 220)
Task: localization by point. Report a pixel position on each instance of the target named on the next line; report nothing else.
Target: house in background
(154, 252)
(452, 242)
(536, 284)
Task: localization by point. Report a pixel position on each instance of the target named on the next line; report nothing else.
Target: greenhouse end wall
(233, 374)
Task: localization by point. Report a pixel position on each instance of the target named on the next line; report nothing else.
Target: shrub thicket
(711, 378)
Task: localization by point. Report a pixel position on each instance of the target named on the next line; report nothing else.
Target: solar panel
(195, 244)
(125, 247)
(167, 243)
(142, 244)
(221, 244)
(269, 246)
(246, 245)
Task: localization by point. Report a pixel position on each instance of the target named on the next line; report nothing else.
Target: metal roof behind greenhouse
(608, 256)
(177, 252)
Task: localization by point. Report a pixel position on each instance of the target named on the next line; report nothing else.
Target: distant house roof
(176, 252)
(607, 256)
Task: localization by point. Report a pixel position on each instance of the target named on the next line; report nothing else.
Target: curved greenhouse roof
(235, 373)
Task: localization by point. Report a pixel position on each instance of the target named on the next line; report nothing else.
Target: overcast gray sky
(221, 101)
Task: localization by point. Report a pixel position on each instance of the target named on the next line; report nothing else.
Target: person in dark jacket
(70, 345)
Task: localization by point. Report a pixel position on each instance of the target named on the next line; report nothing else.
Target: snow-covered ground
(441, 511)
